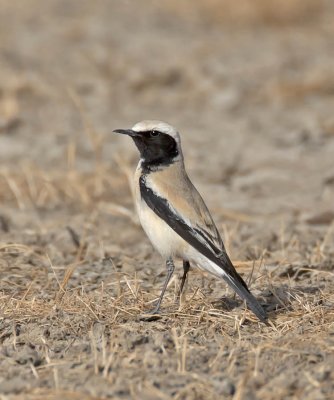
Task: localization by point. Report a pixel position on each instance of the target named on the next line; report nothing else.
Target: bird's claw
(152, 315)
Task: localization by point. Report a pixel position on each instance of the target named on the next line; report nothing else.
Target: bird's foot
(152, 315)
(156, 310)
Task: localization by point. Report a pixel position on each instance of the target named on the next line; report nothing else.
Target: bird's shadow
(275, 300)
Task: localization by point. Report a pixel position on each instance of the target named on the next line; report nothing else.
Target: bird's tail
(240, 287)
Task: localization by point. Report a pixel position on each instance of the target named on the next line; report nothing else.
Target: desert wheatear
(174, 215)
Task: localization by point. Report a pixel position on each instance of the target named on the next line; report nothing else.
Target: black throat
(156, 151)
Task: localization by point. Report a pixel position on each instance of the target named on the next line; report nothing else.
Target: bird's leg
(170, 269)
(186, 267)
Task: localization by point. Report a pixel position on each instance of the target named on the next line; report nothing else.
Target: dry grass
(61, 324)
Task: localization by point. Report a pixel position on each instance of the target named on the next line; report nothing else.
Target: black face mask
(156, 148)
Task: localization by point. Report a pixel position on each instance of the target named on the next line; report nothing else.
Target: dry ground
(250, 84)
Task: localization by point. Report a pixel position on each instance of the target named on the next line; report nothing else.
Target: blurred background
(249, 84)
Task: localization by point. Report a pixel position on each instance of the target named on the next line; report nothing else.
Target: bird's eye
(154, 133)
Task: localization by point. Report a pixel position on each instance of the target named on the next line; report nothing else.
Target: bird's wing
(203, 235)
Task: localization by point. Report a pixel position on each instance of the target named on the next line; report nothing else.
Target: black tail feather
(240, 287)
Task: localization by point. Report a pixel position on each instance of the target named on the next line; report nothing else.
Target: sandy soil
(250, 85)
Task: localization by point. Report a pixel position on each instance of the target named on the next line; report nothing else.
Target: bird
(174, 215)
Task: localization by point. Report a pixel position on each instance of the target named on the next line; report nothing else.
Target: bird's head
(158, 142)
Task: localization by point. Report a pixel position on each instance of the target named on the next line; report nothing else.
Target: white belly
(167, 242)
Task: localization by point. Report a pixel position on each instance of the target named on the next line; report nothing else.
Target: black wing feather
(202, 244)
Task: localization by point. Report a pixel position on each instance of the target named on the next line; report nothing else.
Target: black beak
(128, 132)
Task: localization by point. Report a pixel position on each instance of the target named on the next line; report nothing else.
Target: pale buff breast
(163, 238)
